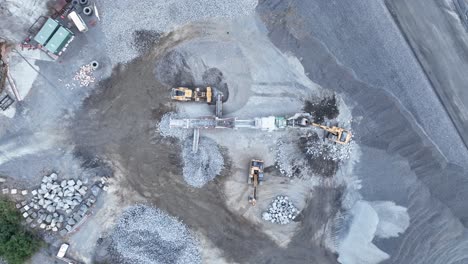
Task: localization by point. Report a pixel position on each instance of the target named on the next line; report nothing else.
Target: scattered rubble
(281, 211)
(203, 166)
(148, 235)
(290, 161)
(85, 75)
(310, 155)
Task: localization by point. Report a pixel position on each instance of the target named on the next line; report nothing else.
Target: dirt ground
(118, 122)
(274, 67)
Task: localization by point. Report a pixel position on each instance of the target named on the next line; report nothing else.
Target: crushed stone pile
(166, 131)
(148, 235)
(281, 211)
(203, 166)
(157, 16)
(85, 75)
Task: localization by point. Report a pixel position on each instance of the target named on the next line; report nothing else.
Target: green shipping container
(46, 31)
(58, 40)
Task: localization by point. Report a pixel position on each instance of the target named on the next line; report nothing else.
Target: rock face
(281, 211)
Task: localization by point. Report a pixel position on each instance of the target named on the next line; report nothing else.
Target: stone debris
(281, 211)
(24, 192)
(324, 149)
(54, 202)
(5, 191)
(204, 166)
(290, 160)
(147, 235)
(14, 191)
(85, 75)
(120, 26)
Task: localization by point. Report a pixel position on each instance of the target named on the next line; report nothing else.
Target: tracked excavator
(335, 134)
(255, 178)
(192, 94)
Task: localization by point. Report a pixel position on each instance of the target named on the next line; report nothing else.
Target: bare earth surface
(395, 195)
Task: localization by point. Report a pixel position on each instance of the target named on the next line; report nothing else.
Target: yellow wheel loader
(192, 94)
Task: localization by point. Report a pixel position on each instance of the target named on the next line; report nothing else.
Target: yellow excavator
(255, 178)
(336, 134)
(192, 94)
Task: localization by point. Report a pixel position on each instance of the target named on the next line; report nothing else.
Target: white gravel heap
(203, 166)
(281, 211)
(120, 18)
(85, 75)
(166, 131)
(147, 235)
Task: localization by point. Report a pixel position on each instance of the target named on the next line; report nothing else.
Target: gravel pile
(148, 235)
(121, 18)
(203, 166)
(281, 211)
(85, 75)
(166, 131)
(327, 150)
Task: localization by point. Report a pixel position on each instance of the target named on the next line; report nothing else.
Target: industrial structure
(269, 123)
(53, 38)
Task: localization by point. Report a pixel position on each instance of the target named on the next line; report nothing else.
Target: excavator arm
(339, 135)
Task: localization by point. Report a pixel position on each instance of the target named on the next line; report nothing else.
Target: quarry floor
(270, 62)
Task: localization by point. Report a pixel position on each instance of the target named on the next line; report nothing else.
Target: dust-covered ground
(120, 121)
(407, 155)
(393, 195)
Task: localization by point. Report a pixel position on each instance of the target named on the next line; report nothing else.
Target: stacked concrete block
(53, 203)
(281, 211)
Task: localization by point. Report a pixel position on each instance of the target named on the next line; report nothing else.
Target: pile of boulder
(281, 211)
(53, 195)
(58, 205)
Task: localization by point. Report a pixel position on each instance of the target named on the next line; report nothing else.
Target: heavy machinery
(192, 94)
(335, 134)
(255, 178)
